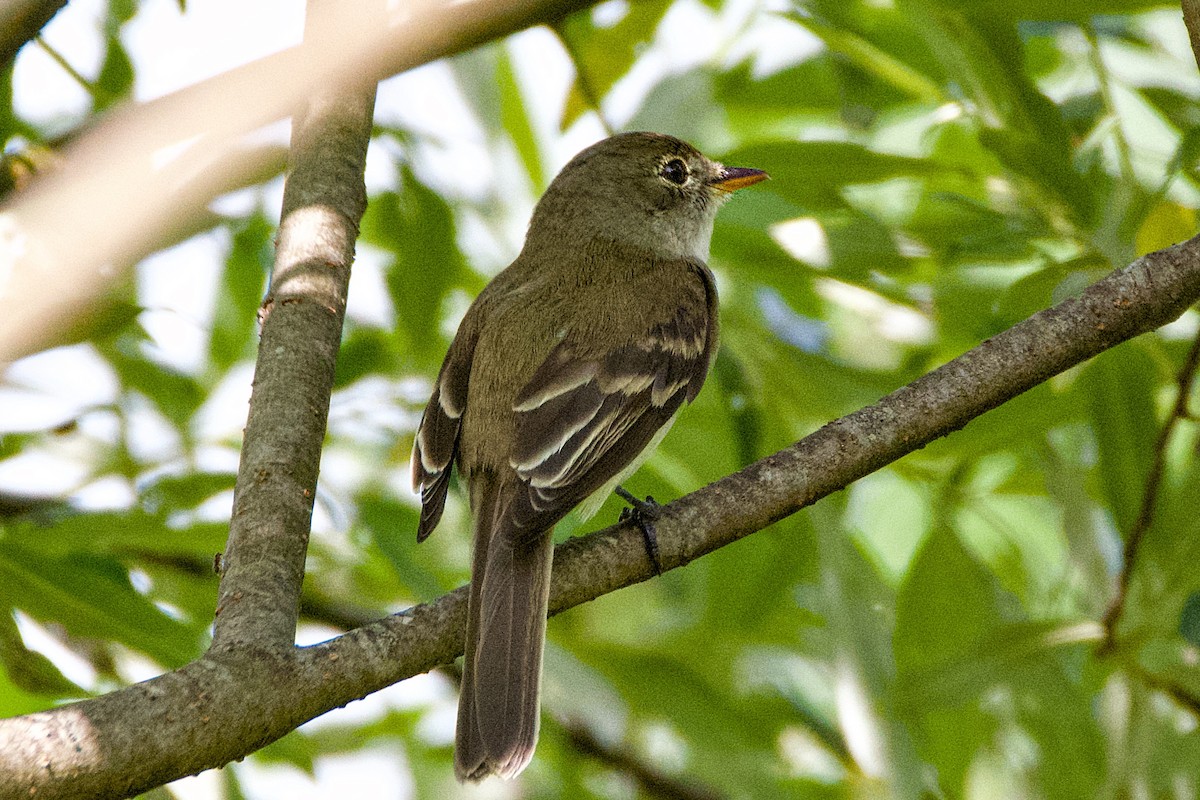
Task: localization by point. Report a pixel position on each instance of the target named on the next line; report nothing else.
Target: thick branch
(323, 201)
(54, 269)
(232, 702)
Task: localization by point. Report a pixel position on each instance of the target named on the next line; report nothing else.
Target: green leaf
(240, 292)
(417, 226)
(91, 597)
(1119, 390)
(115, 81)
(28, 669)
(740, 405)
(168, 493)
(729, 743)
(392, 527)
(743, 95)
(873, 59)
(366, 351)
(297, 749)
(514, 116)
(1049, 10)
(9, 122)
(1189, 620)
(15, 701)
(176, 394)
(811, 173)
(947, 606)
(130, 532)
(603, 53)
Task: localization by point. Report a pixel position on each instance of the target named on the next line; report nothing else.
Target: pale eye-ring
(675, 171)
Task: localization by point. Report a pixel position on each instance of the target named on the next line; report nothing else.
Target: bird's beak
(730, 179)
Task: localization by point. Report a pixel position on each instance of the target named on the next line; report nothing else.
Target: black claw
(643, 513)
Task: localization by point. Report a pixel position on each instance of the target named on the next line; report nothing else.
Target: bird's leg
(643, 513)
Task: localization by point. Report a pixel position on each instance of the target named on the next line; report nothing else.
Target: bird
(565, 373)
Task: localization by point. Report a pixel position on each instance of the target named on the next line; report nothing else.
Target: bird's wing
(436, 442)
(581, 420)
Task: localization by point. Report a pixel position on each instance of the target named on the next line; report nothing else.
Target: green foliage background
(941, 169)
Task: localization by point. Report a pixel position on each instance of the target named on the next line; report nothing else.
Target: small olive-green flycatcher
(565, 373)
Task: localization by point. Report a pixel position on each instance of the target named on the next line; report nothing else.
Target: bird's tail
(506, 629)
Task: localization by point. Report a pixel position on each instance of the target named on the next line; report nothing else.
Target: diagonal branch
(167, 159)
(235, 700)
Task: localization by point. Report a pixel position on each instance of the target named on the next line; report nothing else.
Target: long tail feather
(498, 709)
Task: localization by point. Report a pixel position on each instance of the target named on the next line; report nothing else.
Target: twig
(1145, 517)
(1184, 698)
(20, 21)
(61, 60)
(654, 782)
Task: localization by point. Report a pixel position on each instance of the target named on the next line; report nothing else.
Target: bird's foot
(643, 513)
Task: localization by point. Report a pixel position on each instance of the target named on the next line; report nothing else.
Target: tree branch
(233, 701)
(323, 202)
(53, 269)
(1191, 19)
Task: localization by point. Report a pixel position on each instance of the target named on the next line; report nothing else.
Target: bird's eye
(675, 171)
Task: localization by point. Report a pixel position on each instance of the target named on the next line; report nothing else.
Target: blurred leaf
(178, 492)
(1166, 224)
(297, 749)
(393, 529)
(9, 122)
(1179, 109)
(365, 351)
(682, 106)
(15, 701)
(120, 12)
(740, 405)
(1055, 10)
(92, 597)
(1189, 620)
(125, 532)
(28, 669)
(730, 745)
(115, 80)
(603, 52)
(176, 394)
(240, 292)
(417, 227)
(1039, 290)
(874, 60)
(1119, 388)
(109, 315)
(947, 606)
(742, 94)
(810, 173)
(515, 119)
(1161, 600)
